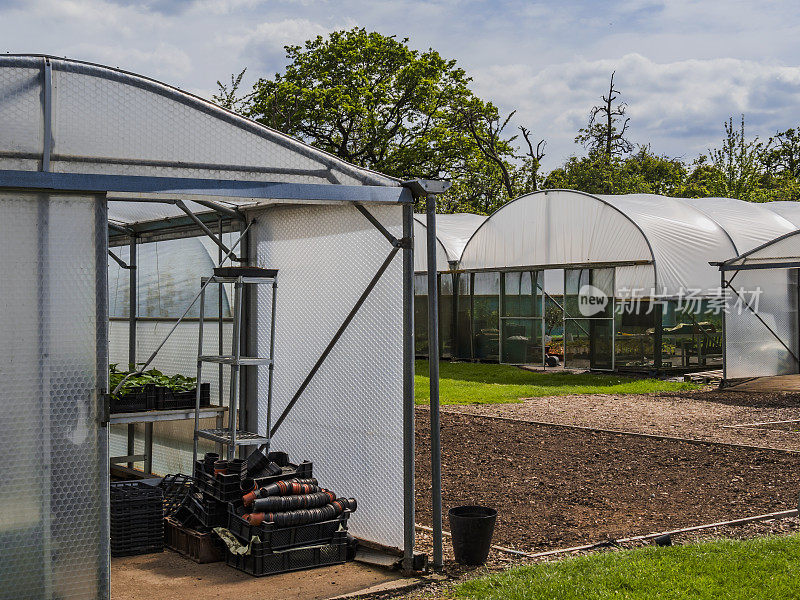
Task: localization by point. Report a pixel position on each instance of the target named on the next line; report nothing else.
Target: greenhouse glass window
(485, 316)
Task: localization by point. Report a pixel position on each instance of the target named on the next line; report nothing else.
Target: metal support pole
(199, 376)
(233, 408)
(271, 363)
(433, 373)
(148, 448)
(408, 388)
(724, 329)
(133, 310)
(220, 341)
(206, 230)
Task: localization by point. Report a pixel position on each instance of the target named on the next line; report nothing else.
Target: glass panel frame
(521, 321)
(587, 315)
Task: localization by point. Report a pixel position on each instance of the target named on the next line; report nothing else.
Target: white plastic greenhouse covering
(761, 320)
(452, 233)
(788, 210)
(658, 243)
(67, 125)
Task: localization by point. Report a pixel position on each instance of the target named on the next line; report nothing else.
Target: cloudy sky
(683, 66)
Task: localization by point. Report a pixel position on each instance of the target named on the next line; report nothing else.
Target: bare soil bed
(556, 487)
(705, 415)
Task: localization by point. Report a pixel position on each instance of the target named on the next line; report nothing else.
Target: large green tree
(372, 100)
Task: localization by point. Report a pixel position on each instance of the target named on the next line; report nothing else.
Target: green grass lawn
(764, 568)
(473, 383)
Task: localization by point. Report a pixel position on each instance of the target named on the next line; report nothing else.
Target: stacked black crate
(137, 519)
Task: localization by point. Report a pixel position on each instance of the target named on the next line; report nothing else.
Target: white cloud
(164, 61)
(679, 106)
(683, 66)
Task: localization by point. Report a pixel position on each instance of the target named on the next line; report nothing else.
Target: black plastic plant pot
(257, 464)
(236, 466)
(472, 528)
(208, 462)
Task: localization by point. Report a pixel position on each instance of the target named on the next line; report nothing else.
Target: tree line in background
(373, 101)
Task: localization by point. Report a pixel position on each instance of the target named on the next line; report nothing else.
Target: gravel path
(695, 415)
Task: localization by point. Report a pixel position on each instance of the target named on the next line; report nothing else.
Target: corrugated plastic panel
(421, 251)
(135, 126)
(782, 250)
(452, 232)
(21, 114)
(787, 209)
(751, 349)
(54, 484)
(349, 420)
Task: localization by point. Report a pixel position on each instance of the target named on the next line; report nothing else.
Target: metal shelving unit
(231, 436)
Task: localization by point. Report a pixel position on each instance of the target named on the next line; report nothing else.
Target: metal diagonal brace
(206, 230)
(379, 226)
(335, 339)
(764, 323)
(120, 262)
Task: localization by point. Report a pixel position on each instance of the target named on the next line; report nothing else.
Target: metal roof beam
(250, 190)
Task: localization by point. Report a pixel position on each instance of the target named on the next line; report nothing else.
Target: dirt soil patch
(693, 415)
(556, 487)
(169, 576)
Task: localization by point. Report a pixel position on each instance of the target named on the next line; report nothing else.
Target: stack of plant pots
(281, 517)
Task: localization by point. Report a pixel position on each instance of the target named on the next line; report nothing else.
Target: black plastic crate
(262, 562)
(166, 399)
(303, 470)
(133, 550)
(174, 489)
(137, 518)
(207, 510)
(133, 493)
(224, 488)
(143, 398)
(275, 539)
(227, 488)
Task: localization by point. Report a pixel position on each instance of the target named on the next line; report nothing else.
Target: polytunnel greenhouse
(602, 282)
(103, 173)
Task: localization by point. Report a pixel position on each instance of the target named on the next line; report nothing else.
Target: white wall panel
(349, 420)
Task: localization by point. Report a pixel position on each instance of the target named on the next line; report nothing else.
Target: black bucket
(472, 528)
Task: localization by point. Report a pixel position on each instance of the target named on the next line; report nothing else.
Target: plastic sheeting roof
(788, 210)
(106, 121)
(678, 237)
(782, 252)
(452, 233)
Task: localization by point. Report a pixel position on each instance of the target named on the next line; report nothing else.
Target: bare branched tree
(486, 130)
(607, 126)
(534, 157)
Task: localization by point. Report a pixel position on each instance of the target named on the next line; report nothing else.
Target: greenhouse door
(589, 319)
(521, 318)
(54, 533)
